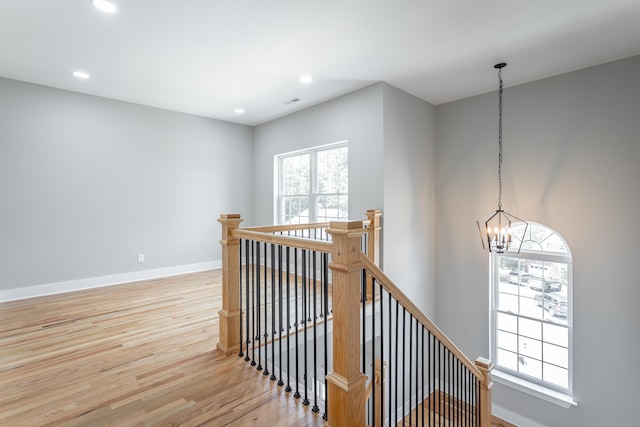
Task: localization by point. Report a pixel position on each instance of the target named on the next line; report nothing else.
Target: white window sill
(533, 389)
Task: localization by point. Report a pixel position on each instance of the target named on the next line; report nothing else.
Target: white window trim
(533, 389)
(277, 211)
(506, 377)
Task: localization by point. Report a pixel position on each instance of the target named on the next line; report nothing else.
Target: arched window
(531, 313)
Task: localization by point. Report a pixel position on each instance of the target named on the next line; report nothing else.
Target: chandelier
(496, 229)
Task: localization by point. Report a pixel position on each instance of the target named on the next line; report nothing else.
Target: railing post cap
(229, 216)
(484, 363)
(374, 211)
(345, 225)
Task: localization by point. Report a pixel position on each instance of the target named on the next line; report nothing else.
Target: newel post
(346, 383)
(229, 340)
(373, 244)
(485, 366)
(373, 231)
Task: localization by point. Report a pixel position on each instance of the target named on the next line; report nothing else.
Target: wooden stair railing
(355, 277)
(481, 368)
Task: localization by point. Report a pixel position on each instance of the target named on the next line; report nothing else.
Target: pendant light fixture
(496, 229)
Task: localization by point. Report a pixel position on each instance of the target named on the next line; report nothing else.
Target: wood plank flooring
(132, 355)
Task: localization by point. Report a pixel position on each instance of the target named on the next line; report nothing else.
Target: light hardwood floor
(132, 355)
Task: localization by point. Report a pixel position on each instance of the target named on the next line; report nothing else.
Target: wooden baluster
(346, 383)
(230, 312)
(485, 366)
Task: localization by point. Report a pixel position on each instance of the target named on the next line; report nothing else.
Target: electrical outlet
(140, 257)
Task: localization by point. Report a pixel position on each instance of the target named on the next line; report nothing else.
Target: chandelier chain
(500, 140)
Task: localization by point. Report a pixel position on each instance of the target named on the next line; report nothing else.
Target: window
(313, 185)
(531, 313)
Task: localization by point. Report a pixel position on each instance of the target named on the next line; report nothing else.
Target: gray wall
(391, 138)
(356, 117)
(572, 149)
(409, 195)
(86, 183)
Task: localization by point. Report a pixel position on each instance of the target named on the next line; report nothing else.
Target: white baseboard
(513, 418)
(96, 282)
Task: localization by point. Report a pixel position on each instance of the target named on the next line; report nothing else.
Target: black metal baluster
(390, 363)
(469, 416)
(397, 359)
(288, 282)
(240, 352)
(305, 401)
(273, 312)
(280, 328)
(404, 346)
(253, 308)
(266, 307)
(322, 276)
(246, 297)
(373, 351)
(410, 364)
(382, 370)
(363, 292)
(417, 365)
(325, 266)
(439, 380)
(460, 396)
(315, 407)
(423, 384)
(456, 401)
(430, 375)
(308, 272)
(295, 324)
(363, 298)
(461, 390)
(468, 393)
(447, 381)
(449, 386)
(259, 331)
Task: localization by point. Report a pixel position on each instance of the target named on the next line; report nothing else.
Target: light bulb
(81, 75)
(104, 5)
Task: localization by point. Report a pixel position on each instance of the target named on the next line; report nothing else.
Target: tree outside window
(313, 185)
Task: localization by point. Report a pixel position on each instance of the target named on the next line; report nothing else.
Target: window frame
(313, 195)
(534, 386)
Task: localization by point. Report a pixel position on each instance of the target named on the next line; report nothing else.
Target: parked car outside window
(517, 278)
(555, 303)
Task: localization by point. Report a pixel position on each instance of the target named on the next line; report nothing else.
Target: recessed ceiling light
(104, 5)
(239, 110)
(306, 79)
(81, 75)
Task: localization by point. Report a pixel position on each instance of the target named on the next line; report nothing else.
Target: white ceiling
(207, 57)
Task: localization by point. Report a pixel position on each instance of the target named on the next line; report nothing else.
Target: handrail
(382, 279)
(295, 242)
(293, 227)
(287, 227)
